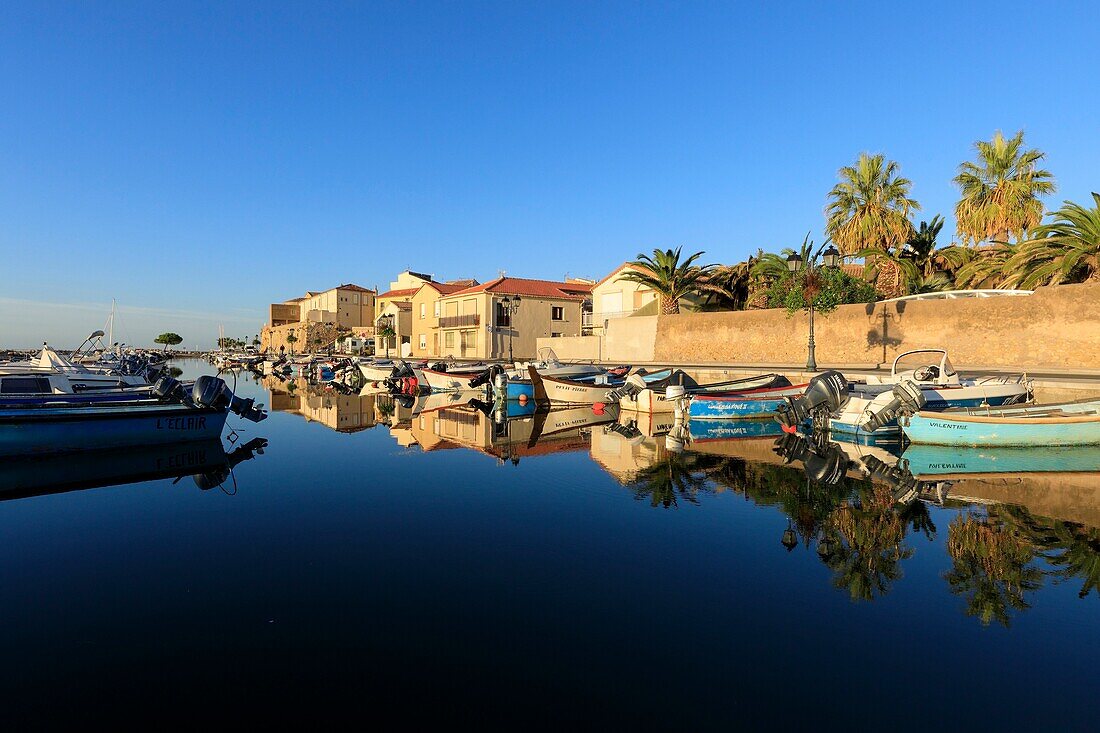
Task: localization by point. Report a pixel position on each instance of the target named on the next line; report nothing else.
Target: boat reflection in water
(207, 463)
(862, 507)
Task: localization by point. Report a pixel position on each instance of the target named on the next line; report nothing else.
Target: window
(25, 385)
(437, 309)
(504, 316)
(449, 340)
(423, 341)
(557, 313)
(423, 311)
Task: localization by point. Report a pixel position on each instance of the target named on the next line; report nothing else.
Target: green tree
(291, 339)
(671, 279)
(868, 216)
(825, 287)
(1001, 190)
(1065, 250)
(168, 339)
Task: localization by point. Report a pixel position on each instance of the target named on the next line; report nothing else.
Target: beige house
(426, 309)
(489, 321)
(614, 297)
(346, 307)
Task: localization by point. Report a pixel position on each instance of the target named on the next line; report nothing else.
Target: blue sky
(197, 161)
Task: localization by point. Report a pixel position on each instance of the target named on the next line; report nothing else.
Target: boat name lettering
(181, 423)
(947, 425)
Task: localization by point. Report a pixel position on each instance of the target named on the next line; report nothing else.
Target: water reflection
(207, 463)
(1018, 518)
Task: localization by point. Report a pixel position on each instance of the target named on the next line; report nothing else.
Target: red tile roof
(448, 288)
(399, 293)
(617, 270)
(531, 288)
(352, 286)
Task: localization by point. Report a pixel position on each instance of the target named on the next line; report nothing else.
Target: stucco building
(488, 321)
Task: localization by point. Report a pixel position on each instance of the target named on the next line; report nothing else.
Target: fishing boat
(747, 405)
(443, 377)
(598, 390)
(377, 370)
(1065, 423)
(81, 378)
(836, 404)
(654, 398)
(168, 413)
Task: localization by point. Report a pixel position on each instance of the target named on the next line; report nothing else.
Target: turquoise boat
(1067, 423)
(941, 460)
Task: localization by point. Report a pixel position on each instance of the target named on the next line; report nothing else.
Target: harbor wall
(1056, 327)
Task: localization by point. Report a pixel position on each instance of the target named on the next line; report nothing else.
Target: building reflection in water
(1021, 518)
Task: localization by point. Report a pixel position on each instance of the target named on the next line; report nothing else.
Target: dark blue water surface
(562, 574)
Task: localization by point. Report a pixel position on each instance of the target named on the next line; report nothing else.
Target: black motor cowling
(904, 487)
(823, 461)
(215, 393)
(908, 398)
(168, 389)
(826, 392)
(486, 376)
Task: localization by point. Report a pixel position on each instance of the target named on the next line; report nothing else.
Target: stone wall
(573, 348)
(1057, 327)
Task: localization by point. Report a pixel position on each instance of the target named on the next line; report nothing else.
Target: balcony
(460, 321)
(596, 320)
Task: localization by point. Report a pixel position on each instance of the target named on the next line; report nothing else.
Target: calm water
(371, 561)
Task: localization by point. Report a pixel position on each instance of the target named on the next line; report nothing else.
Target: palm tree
(671, 279)
(1000, 192)
(869, 210)
(983, 267)
(732, 286)
(1065, 250)
(921, 247)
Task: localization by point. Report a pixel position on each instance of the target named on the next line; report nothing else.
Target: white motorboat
(79, 377)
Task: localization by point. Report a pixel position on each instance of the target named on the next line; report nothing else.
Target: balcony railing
(459, 321)
(595, 320)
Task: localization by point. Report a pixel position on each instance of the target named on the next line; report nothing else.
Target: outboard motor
(439, 366)
(633, 385)
(489, 376)
(215, 393)
(824, 462)
(908, 398)
(904, 486)
(217, 476)
(827, 392)
(169, 389)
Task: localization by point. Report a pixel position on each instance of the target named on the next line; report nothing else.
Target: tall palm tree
(671, 279)
(1065, 250)
(732, 286)
(870, 206)
(1001, 190)
(869, 210)
(983, 267)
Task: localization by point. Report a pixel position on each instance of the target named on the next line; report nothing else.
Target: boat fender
(827, 392)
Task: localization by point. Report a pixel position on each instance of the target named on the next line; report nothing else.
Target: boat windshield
(915, 360)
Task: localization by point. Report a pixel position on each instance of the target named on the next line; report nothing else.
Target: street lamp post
(830, 258)
(510, 305)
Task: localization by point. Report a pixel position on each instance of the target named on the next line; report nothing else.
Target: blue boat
(169, 413)
(757, 403)
(1067, 423)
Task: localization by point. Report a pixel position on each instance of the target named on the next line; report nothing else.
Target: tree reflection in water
(1000, 554)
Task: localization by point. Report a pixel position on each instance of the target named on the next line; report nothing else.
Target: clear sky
(197, 161)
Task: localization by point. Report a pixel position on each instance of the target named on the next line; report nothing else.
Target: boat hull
(849, 418)
(704, 431)
(46, 430)
(653, 400)
(1002, 432)
(757, 405)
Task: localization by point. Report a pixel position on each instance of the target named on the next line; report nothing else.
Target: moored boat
(170, 412)
(747, 405)
(654, 397)
(1060, 424)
